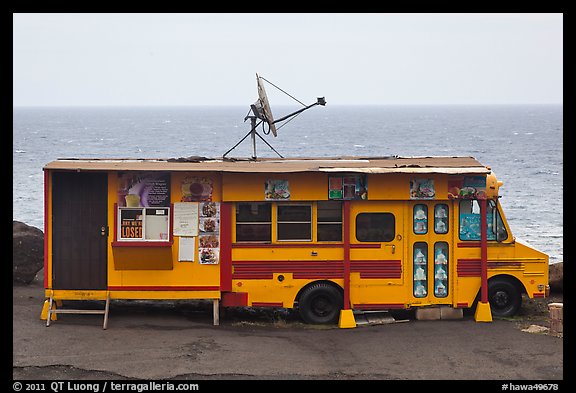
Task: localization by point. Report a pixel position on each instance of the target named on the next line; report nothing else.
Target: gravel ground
(171, 340)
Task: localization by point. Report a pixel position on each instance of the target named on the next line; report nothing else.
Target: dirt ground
(176, 340)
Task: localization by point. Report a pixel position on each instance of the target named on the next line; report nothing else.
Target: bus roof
(392, 164)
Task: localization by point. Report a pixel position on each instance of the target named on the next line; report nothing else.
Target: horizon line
(278, 105)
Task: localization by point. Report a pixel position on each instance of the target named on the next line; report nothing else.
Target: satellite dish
(264, 112)
(261, 110)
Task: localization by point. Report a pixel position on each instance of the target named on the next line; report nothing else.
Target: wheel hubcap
(321, 306)
(501, 299)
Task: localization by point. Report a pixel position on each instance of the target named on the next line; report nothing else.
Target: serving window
(143, 224)
(254, 222)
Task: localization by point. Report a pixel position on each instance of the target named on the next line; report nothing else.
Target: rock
(536, 329)
(27, 252)
(556, 277)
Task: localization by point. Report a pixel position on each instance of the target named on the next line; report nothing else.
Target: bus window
(253, 222)
(470, 221)
(295, 222)
(420, 269)
(329, 225)
(375, 227)
(441, 269)
(420, 218)
(441, 218)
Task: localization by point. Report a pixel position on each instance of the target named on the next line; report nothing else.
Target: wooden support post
(216, 307)
(105, 326)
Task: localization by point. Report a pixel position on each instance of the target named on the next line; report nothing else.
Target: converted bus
(327, 236)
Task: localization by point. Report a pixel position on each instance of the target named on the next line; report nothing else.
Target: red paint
(377, 269)
(169, 243)
(469, 245)
(142, 244)
(163, 288)
(472, 267)
(299, 245)
(252, 276)
(483, 251)
(537, 294)
(366, 245)
(346, 225)
(316, 269)
(115, 223)
(226, 246)
(299, 269)
(267, 304)
(287, 245)
(379, 306)
(234, 299)
(468, 267)
(46, 223)
(462, 305)
(317, 275)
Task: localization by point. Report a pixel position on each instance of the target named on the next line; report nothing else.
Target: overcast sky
(358, 59)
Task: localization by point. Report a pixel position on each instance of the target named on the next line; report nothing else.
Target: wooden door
(80, 230)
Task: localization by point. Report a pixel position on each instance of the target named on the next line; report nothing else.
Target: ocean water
(523, 144)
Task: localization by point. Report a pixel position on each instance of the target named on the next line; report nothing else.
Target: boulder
(556, 277)
(27, 252)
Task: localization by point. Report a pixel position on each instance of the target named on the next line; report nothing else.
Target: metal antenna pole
(253, 136)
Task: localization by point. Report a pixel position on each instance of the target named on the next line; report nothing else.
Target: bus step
(373, 318)
(74, 311)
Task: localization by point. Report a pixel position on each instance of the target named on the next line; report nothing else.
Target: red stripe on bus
(163, 288)
(267, 304)
(302, 245)
(468, 267)
(288, 245)
(378, 306)
(378, 245)
(469, 245)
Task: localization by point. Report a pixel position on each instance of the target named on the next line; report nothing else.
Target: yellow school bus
(327, 236)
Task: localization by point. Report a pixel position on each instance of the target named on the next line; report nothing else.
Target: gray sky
(359, 59)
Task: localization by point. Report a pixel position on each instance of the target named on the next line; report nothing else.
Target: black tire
(504, 296)
(320, 303)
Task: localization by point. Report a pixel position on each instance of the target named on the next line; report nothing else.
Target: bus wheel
(504, 296)
(320, 303)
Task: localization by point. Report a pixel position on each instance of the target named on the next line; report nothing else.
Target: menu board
(422, 189)
(143, 189)
(186, 219)
(196, 189)
(209, 233)
(276, 190)
(467, 187)
(348, 187)
(186, 249)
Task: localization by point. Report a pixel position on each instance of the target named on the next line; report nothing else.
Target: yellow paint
(159, 267)
(346, 320)
(483, 312)
(151, 266)
(44, 313)
(250, 186)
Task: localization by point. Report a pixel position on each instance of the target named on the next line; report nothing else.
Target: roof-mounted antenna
(261, 110)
